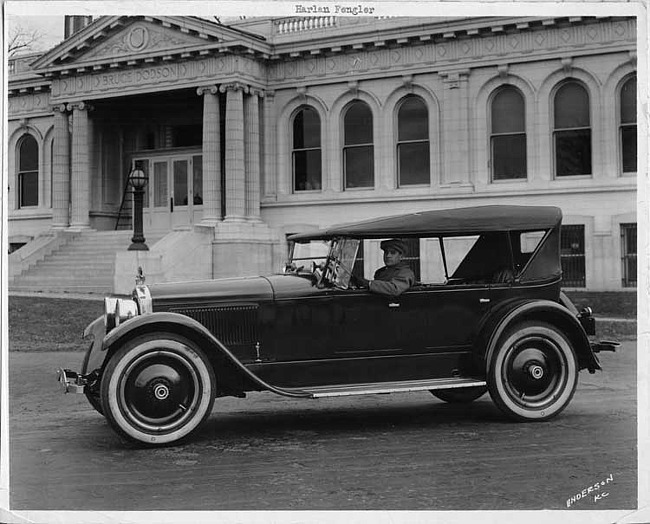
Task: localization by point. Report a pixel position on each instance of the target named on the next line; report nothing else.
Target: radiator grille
(232, 325)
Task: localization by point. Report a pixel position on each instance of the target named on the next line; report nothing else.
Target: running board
(345, 390)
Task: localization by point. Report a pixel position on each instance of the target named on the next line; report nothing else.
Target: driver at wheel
(395, 277)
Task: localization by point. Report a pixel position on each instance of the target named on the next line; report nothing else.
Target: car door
(436, 327)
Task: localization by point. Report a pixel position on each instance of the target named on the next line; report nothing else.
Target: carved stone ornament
(207, 89)
(233, 86)
(142, 37)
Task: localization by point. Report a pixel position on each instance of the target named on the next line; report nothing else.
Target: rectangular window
(413, 163)
(307, 170)
(359, 166)
(28, 188)
(628, 254)
(197, 180)
(180, 182)
(573, 152)
(160, 184)
(572, 252)
(628, 147)
(509, 157)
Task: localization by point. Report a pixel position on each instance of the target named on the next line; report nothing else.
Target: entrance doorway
(174, 195)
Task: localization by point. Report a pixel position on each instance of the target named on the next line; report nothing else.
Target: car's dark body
(298, 335)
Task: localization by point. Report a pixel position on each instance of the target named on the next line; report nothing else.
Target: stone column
(252, 150)
(211, 156)
(61, 170)
(455, 128)
(80, 176)
(270, 149)
(235, 165)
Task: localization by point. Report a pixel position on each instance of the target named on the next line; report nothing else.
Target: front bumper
(71, 381)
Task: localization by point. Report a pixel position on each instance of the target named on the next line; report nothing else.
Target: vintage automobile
(487, 314)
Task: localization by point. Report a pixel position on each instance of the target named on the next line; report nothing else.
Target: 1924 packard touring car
(486, 314)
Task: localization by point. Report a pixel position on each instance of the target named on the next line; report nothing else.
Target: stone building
(269, 126)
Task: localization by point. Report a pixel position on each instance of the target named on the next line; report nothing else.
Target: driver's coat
(392, 281)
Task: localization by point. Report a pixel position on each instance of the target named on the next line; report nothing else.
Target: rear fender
(545, 311)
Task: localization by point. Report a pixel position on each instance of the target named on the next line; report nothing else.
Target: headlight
(118, 310)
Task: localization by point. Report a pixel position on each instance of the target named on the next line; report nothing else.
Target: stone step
(72, 288)
(78, 263)
(65, 278)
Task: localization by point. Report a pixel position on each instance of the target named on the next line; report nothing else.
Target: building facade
(267, 127)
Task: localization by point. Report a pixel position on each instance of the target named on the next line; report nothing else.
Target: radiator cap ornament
(139, 277)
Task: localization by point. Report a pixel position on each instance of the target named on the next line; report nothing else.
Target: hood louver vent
(232, 325)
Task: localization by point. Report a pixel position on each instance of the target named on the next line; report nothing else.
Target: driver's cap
(395, 244)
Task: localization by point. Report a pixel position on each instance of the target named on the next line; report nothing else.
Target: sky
(50, 27)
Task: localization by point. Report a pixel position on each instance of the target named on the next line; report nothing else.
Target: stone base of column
(235, 219)
(244, 249)
(79, 227)
(208, 222)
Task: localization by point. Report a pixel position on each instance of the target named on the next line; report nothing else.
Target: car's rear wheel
(533, 374)
(460, 395)
(157, 389)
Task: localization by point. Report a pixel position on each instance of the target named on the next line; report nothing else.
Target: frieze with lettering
(179, 74)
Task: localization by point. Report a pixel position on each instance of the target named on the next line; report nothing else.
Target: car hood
(240, 289)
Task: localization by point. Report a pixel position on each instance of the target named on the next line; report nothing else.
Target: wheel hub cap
(536, 371)
(161, 391)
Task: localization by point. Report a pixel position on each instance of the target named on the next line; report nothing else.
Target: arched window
(306, 150)
(572, 131)
(358, 149)
(27, 172)
(627, 126)
(508, 135)
(412, 142)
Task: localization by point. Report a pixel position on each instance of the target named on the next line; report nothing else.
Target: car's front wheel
(533, 374)
(459, 395)
(157, 389)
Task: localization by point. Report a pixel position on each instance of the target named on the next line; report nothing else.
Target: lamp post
(138, 180)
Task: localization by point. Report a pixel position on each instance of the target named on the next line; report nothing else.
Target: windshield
(304, 255)
(329, 262)
(341, 262)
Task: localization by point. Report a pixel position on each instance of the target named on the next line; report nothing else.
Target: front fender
(546, 311)
(181, 325)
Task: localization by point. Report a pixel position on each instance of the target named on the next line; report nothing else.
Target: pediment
(141, 38)
(121, 39)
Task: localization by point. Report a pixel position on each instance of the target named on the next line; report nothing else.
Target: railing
(572, 244)
(297, 25)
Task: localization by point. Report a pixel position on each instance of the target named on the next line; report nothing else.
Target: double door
(174, 195)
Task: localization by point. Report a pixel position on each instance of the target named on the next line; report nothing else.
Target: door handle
(484, 300)
(394, 304)
(171, 204)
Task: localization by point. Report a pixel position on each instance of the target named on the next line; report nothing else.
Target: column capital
(59, 108)
(80, 106)
(256, 92)
(233, 86)
(202, 90)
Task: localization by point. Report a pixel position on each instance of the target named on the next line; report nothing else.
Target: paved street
(396, 452)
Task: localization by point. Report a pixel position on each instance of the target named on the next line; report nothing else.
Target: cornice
(67, 59)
